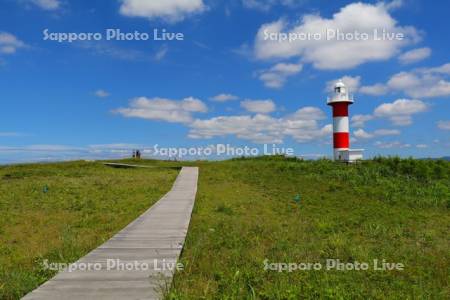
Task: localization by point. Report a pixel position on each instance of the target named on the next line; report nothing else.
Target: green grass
(62, 211)
(245, 213)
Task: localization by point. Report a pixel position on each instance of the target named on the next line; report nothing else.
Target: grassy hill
(62, 211)
(249, 213)
(391, 209)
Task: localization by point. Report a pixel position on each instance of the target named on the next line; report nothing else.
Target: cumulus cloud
(46, 4)
(422, 146)
(259, 106)
(385, 132)
(424, 83)
(400, 112)
(414, 55)
(352, 82)
(389, 145)
(224, 97)
(163, 109)
(374, 90)
(101, 93)
(263, 128)
(265, 5)
(418, 83)
(9, 43)
(444, 125)
(362, 134)
(168, 10)
(332, 53)
(258, 128)
(276, 76)
(302, 125)
(360, 120)
(308, 113)
(444, 69)
(393, 4)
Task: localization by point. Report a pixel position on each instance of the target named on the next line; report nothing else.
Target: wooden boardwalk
(137, 262)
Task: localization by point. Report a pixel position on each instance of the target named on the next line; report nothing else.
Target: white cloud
(385, 132)
(224, 97)
(276, 76)
(329, 53)
(9, 43)
(255, 4)
(307, 131)
(263, 128)
(51, 148)
(101, 48)
(118, 146)
(265, 5)
(425, 83)
(393, 4)
(419, 83)
(374, 90)
(444, 125)
(308, 113)
(400, 111)
(161, 53)
(444, 69)
(163, 109)
(403, 81)
(422, 146)
(258, 106)
(101, 93)
(10, 134)
(414, 55)
(168, 10)
(302, 125)
(66, 152)
(360, 120)
(388, 145)
(258, 128)
(46, 4)
(352, 83)
(362, 134)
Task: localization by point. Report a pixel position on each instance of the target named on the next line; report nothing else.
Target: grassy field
(61, 211)
(245, 215)
(397, 210)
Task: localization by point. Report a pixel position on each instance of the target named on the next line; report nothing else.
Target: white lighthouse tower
(340, 101)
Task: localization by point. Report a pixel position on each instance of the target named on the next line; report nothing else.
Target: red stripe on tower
(341, 140)
(340, 109)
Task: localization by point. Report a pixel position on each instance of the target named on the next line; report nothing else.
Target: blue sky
(225, 82)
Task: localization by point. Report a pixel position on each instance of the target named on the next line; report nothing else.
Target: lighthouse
(340, 101)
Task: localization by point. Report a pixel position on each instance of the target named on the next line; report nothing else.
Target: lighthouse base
(348, 155)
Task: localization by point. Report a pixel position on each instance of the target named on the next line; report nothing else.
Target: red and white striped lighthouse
(340, 101)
